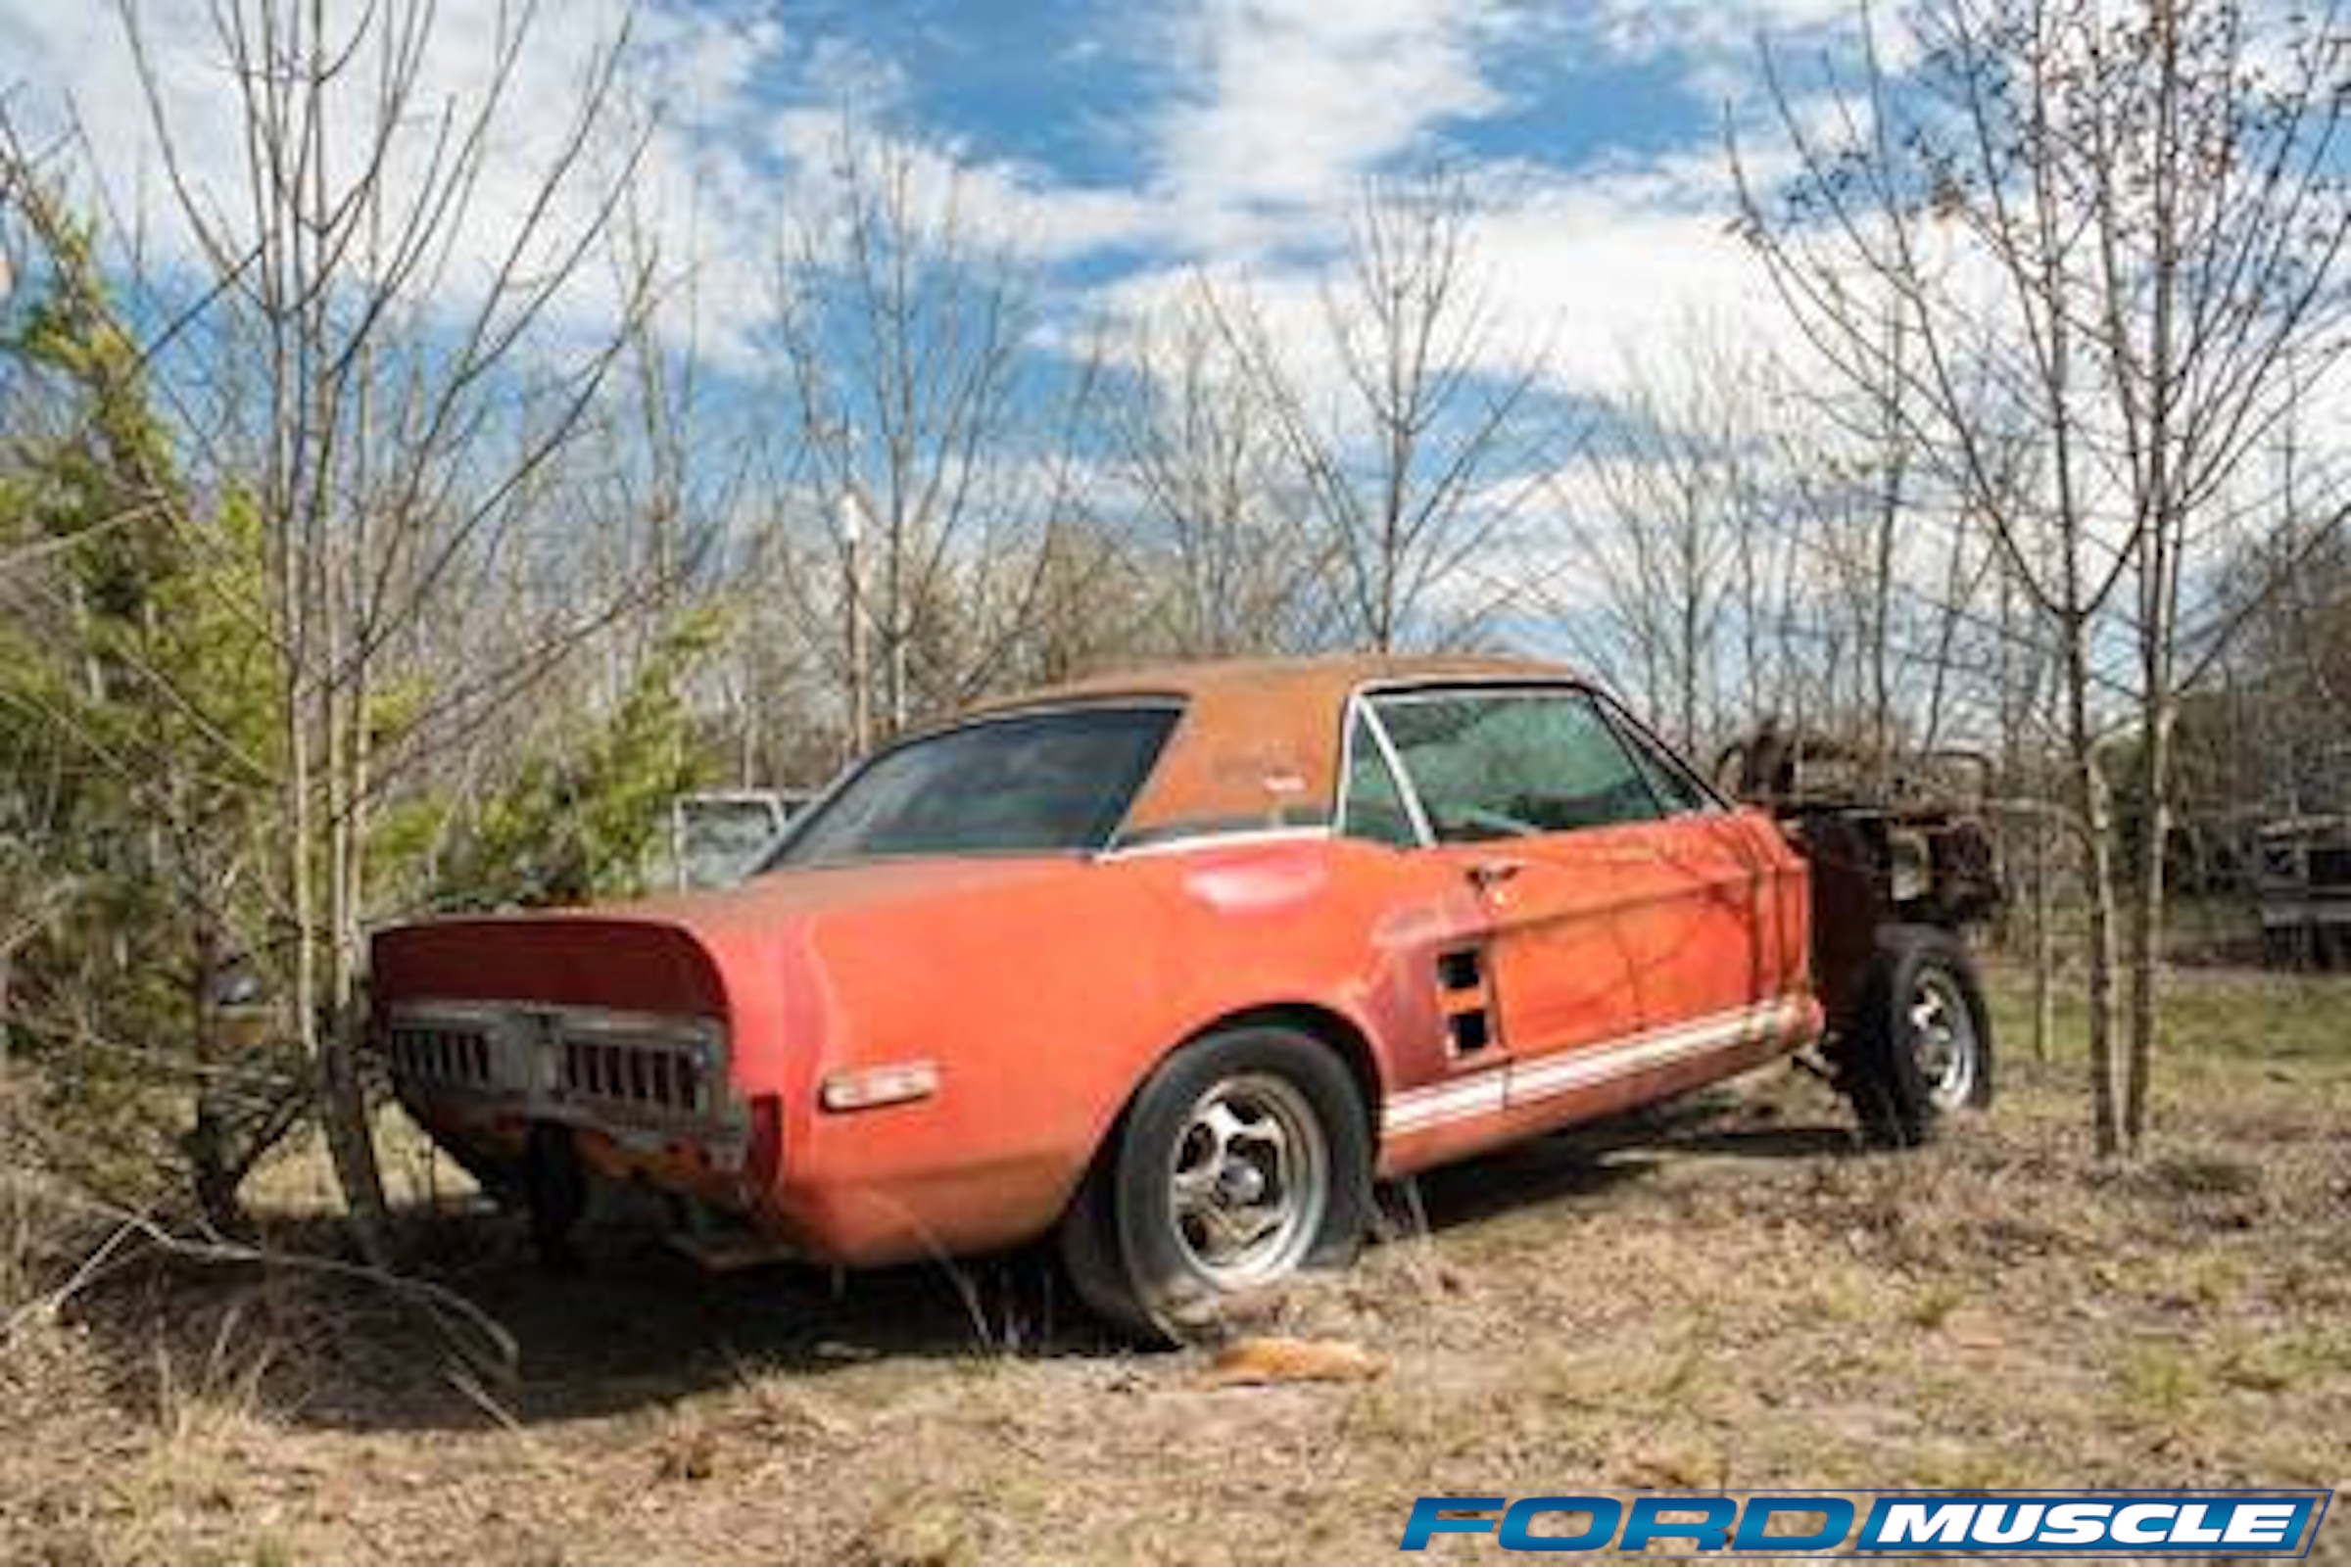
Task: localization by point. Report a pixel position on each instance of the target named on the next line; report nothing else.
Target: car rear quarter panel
(1032, 996)
(1046, 1004)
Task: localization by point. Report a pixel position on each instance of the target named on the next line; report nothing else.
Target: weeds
(1680, 1311)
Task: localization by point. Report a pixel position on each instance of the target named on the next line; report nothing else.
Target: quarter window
(1504, 764)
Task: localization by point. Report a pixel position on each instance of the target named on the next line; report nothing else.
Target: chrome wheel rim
(1942, 1039)
(1249, 1180)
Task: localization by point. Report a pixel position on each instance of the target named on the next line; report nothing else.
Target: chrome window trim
(1303, 832)
(1606, 708)
(1358, 707)
(1635, 735)
(1405, 787)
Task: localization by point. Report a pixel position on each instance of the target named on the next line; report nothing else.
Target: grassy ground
(1734, 1298)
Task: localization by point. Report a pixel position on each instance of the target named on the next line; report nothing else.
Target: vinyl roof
(1260, 742)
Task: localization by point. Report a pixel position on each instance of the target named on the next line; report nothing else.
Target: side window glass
(1676, 792)
(1508, 763)
(1374, 807)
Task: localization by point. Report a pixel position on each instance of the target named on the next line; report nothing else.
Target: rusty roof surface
(1260, 742)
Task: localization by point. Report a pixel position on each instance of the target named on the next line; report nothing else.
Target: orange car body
(879, 1061)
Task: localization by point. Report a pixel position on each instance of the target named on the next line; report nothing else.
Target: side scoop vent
(1461, 992)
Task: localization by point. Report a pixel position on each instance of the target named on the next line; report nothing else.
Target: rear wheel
(1919, 1047)
(554, 1190)
(1243, 1158)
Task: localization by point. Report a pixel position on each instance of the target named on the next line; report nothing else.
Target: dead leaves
(1263, 1359)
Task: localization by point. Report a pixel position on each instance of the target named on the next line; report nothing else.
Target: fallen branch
(132, 1234)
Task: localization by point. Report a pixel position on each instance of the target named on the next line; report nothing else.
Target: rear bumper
(915, 1214)
(651, 1104)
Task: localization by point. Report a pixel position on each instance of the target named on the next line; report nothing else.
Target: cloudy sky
(1119, 146)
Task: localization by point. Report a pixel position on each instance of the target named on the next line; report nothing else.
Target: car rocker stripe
(1517, 1083)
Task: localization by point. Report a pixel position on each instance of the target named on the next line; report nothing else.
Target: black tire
(1902, 1079)
(554, 1189)
(1135, 1257)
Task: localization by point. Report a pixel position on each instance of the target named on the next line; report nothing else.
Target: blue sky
(1120, 147)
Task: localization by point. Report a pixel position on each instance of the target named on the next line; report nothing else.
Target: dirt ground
(1731, 1297)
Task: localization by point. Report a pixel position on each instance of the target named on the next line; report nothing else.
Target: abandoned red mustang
(1179, 964)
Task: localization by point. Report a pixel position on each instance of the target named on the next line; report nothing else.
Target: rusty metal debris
(1891, 840)
(2302, 883)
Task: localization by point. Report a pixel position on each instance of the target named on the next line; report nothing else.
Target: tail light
(892, 1083)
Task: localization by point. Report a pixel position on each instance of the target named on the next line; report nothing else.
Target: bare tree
(2211, 169)
(1195, 447)
(2101, 231)
(1423, 456)
(1676, 517)
(412, 404)
(902, 326)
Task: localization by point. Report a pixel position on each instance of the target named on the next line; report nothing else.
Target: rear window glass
(1025, 784)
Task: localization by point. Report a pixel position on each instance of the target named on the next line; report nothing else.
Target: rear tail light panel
(456, 1046)
(634, 1075)
(648, 1070)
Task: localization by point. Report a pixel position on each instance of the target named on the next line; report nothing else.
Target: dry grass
(1735, 1298)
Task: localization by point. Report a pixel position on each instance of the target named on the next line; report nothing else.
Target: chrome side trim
(1509, 1085)
(1481, 1094)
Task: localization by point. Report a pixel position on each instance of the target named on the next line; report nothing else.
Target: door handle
(1493, 870)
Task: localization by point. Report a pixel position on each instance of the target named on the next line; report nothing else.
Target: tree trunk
(2044, 945)
(2147, 919)
(2094, 814)
(350, 1139)
(2160, 514)
(326, 1023)
(211, 1175)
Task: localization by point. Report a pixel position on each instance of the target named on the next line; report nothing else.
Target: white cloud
(82, 72)
(1599, 267)
(1286, 108)
(1583, 268)
(1019, 208)
(740, 119)
(1703, 28)
(1713, 44)
(1255, 122)
(1287, 104)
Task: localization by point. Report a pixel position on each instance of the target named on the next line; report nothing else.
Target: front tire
(1243, 1158)
(1919, 1047)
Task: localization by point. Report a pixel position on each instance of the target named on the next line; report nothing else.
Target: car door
(1556, 887)
(1631, 932)
(1728, 940)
